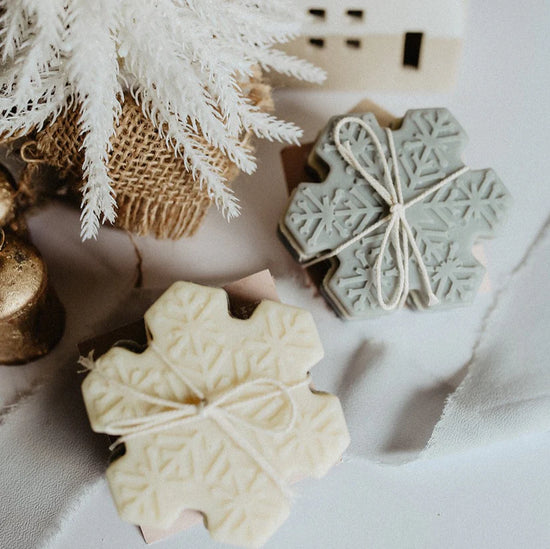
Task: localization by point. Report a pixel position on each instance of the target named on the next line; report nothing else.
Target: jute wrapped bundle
(155, 194)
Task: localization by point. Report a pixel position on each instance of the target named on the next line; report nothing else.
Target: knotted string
(398, 231)
(219, 409)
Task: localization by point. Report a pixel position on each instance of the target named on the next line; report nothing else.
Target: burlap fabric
(155, 194)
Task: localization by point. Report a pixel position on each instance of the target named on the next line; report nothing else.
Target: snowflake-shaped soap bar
(397, 214)
(216, 415)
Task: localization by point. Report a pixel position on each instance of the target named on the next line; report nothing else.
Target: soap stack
(396, 214)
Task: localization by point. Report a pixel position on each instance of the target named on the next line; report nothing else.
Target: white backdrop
(397, 371)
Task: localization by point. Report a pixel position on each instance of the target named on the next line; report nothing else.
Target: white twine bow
(220, 409)
(398, 231)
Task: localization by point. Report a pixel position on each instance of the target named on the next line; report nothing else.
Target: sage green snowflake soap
(396, 215)
(216, 415)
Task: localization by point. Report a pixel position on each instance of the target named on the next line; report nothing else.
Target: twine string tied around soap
(219, 409)
(398, 231)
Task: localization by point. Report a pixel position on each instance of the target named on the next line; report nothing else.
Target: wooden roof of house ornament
(388, 45)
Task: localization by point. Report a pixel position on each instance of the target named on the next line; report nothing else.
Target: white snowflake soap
(216, 415)
(396, 215)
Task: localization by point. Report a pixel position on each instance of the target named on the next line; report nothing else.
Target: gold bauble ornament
(32, 319)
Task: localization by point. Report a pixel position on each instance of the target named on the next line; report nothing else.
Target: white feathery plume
(278, 61)
(93, 65)
(14, 24)
(182, 61)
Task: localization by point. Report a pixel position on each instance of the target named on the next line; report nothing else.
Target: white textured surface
(506, 392)
(496, 496)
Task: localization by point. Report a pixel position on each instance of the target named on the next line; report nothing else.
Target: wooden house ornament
(387, 45)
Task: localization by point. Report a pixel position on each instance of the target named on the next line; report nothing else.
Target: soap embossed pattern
(216, 415)
(396, 214)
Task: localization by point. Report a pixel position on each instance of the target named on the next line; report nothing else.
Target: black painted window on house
(357, 15)
(318, 13)
(412, 49)
(353, 43)
(317, 42)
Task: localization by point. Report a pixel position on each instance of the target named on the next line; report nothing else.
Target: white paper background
(495, 496)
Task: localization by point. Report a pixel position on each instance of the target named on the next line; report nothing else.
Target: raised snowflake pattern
(445, 224)
(196, 346)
